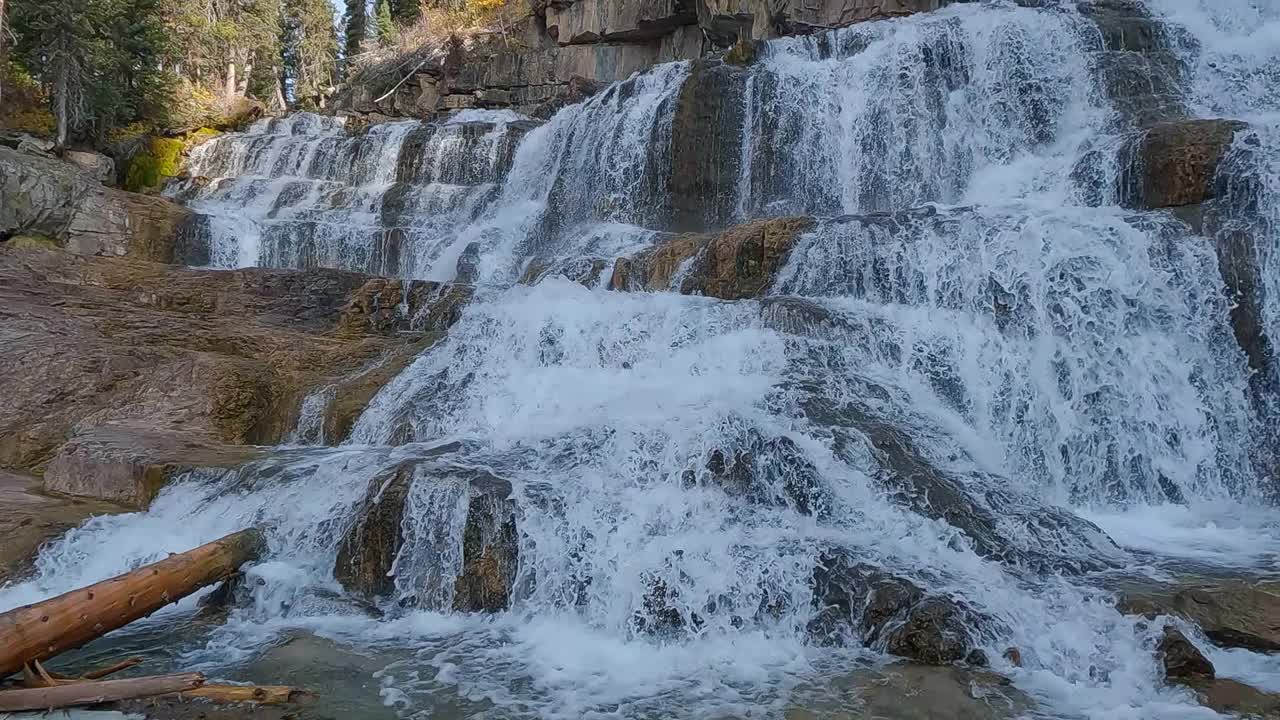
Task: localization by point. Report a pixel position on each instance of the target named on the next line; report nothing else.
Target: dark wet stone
(490, 544)
(859, 602)
(1182, 659)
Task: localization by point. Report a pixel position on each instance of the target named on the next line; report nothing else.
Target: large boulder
(129, 466)
(49, 197)
(858, 602)
(1235, 614)
(1185, 665)
(201, 359)
(369, 564)
(738, 263)
(1231, 613)
(98, 166)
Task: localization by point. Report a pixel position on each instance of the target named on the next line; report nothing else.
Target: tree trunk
(4, 51)
(61, 86)
(92, 693)
(45, 629)
(281, 104)
(230, 91)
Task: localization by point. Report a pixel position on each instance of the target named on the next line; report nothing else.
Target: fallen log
(45, 629)
(249, 694)
(92, 692)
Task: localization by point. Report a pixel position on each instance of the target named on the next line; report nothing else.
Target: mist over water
(967, 293)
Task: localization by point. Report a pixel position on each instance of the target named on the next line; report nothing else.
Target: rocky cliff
(560, 47)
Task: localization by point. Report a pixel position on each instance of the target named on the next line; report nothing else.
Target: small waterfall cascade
(982, 372)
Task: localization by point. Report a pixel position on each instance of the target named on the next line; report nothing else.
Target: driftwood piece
(111, 669)
(251, 694)
(91, 692)
(36, 676)
(45, 629)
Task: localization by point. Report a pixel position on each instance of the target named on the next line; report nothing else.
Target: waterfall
(977, 374)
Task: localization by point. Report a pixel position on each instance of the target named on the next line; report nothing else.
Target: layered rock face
(47, 197)
(123, 371)
(561, 47)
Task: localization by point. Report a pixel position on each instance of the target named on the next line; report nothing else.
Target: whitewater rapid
(1027, 333)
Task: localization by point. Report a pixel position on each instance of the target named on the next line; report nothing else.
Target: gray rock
(45, 196)
(591, 21)
(95, 164)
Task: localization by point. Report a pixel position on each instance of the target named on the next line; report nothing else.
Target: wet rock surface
(130, 465)
(1231, 612)
(905, 691)
(29, 518)
(1175, 164)
(221, 358)
(856, 601)
(735, 264)
(984, 508)
(366, 562)
(1182, 659)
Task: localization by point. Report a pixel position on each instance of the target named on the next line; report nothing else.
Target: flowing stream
(972, 294)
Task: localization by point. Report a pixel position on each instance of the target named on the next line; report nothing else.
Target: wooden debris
(91, 692)
(45, 629)
(251, 694)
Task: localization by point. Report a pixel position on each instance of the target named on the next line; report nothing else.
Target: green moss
(168, 155)
(32, 242)
(200, 136)
(149, 168)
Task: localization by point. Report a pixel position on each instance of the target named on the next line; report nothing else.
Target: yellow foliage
(475, 16)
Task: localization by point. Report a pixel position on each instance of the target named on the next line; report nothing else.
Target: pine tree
(309, 51)
(405, 12)
(386, 26)
(57, 44)
(357, 28)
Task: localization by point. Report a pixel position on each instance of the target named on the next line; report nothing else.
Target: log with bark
(92, 692)
(45, 629)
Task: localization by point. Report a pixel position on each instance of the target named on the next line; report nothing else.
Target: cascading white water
(679, 464)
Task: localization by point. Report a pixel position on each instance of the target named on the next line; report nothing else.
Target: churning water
(971, 300)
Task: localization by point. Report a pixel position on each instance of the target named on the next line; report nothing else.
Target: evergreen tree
(310, 51)
(386, 26)
(58, 45)
(405, 12)
(357, 27)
